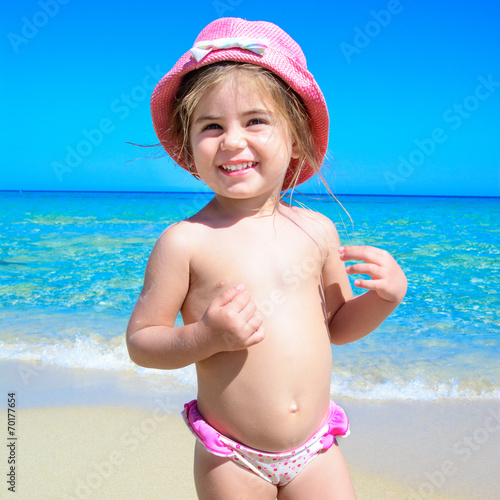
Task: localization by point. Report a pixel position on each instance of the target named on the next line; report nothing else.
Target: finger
(247, 312)
(254, 322)
(372, 270)
(239, 302)
(367, 284)
(256, 337)
(355, 252)
(363, 252)
(228, 295)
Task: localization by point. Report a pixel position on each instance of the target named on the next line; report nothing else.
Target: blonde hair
(287, 103)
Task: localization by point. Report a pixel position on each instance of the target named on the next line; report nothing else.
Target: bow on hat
(201, 49)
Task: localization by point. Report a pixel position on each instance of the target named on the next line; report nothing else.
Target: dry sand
(96, 437)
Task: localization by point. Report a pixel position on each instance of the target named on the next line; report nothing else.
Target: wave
(92, 353)
(420, 388)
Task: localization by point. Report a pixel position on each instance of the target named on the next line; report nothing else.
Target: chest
(263, 256)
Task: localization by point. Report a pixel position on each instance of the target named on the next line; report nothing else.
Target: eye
(256, 121)
(211, 126)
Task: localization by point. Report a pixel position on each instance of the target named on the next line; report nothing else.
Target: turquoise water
(72, 265)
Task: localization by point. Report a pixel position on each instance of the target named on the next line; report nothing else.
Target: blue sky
(413, 90)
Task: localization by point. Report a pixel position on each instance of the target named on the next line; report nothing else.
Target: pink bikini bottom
(277, 468)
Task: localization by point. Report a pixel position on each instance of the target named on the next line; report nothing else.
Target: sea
(72, 267)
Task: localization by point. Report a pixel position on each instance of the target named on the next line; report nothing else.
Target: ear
(295, 151)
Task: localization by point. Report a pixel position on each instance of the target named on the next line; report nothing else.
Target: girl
(260, 284)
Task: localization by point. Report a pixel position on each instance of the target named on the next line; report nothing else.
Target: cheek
(200, 148)
(264, 138)
(278, 140)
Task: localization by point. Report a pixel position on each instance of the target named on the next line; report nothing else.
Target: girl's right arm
(229, 323)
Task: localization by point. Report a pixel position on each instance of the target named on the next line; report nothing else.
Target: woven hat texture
(283, 56)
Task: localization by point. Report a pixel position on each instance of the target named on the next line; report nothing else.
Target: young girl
(260, 284)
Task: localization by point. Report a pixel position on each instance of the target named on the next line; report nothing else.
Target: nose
(233, 139)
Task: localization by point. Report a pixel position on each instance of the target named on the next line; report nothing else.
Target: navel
(293, 408)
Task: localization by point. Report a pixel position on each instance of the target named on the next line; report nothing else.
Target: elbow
(138, 357)
(339, 336)
(145, 355)
(338, 341)
(336, 336)
(134, 353)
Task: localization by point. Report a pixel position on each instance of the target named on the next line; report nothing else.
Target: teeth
(238, 166)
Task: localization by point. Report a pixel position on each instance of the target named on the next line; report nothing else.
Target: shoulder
(175, 243)
(319, 226)
(177, 234)
(169, 261)
(186, 237)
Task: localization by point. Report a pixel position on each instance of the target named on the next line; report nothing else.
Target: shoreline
(123, 434)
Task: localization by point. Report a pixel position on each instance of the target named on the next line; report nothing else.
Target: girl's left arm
(360, 315)
(351, 318)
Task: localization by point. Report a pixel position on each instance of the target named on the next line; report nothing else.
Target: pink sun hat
(255, 42)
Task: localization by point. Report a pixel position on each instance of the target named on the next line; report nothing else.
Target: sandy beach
(83, 434)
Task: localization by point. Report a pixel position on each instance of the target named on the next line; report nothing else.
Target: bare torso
(275, 394)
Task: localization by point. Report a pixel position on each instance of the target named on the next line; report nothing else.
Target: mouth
(238, 168)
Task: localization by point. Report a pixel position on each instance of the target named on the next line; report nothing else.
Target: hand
(232, 318)
(387, 278)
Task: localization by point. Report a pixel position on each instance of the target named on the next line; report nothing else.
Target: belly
(274, 395)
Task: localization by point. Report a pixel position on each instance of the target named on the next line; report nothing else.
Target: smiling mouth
(235, 167)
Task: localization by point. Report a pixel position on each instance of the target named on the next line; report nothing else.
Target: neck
(246, 208)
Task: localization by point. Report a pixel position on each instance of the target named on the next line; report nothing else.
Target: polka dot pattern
(276, 468)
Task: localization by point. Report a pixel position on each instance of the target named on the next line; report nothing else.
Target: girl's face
(241, 148)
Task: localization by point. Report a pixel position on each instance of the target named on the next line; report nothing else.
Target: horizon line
(209, 193)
